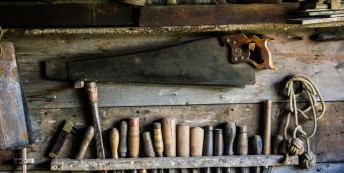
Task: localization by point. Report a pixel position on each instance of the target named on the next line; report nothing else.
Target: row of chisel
(171, 140)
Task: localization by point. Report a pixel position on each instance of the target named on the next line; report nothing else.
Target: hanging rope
(295, 145)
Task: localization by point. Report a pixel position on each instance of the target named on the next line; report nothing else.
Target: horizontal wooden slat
(216, 14)
(169, 162)
(62, 13)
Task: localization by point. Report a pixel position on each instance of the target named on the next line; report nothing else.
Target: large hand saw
(202, 62)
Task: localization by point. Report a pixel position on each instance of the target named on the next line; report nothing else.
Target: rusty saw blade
(202, 62)
(15, 124)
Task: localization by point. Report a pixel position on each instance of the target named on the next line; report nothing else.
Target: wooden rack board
(170, 162)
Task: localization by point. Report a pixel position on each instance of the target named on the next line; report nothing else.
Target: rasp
(202, 62)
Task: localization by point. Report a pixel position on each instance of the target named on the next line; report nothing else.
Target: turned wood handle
(278, 143)
(148, 145)
(169, 136)
(218, 146)
(158, 142)
(85, 142)
(134, 137)
(114, 140)
(123, 129)
(257, 144)
(208, 144)
(229, 136)
(242, 140)
(183, 141)
(196, 141)
(267, 129)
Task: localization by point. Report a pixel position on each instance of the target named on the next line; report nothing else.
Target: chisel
(148, 147)
(169, 137)
(85, 142)
(267, 132)
(208, 144)
(91, 89)
(229, 136)
(218, 147)
(257, 149)
(183, 143)
(158, 142)
(242, 147)
(123, 133)
(196, 144)
(134, 139)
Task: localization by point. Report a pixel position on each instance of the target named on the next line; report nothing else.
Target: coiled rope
(295, 145)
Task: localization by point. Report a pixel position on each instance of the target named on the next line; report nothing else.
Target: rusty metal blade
(15, 124)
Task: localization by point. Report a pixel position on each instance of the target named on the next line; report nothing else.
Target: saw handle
(240, 49)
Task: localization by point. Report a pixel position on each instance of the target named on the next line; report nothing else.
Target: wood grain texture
(335, 4)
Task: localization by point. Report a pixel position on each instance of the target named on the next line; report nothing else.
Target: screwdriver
(218, 151)
(229, 135)
(134, 139)
(242, 147)
(183, 142)
(208, 146)
(158, 142)
(196, 144)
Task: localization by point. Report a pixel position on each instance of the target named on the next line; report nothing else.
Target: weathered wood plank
(216, 14)
(314, 59)
(307, 21)
(171, 162)
(61, 14)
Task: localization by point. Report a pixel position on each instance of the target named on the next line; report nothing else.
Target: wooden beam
(306, 21)
(64, 13)
(216, 14)
(169, 162)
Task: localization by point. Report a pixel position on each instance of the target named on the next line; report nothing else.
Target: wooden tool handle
(196, 141)
(218, 147)
(257, 149)
(208, 147)
(267, 129)
(61, 139)
(278, 143)
(114, 140)
(242, 140)
(134, 137)
(183, 141)
(158, 142)
(123, 129)
(148, 145)
(85, 142)
(169, 136)
(229, 136)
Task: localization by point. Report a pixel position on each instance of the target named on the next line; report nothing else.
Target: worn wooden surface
(52, 102)
(324, 65)
(216, 14)
(65, 13)
(311, 20)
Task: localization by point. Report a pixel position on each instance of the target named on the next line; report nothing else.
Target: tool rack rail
(170, 162)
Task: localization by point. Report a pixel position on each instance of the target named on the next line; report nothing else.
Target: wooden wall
(51, 102)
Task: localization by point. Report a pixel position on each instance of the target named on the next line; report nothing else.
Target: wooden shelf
(169, 162)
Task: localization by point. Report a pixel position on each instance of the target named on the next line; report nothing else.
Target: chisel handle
(158, 142)
(148, 147)
(169, 137)
(85, 142)
(134, 137)
(196, 143)
(183, 142)
(208, 144)
(123, 136)
(242, 143)
(218, 151)
(257, 149)
(114, 140)
(229, 136)
(267, 129)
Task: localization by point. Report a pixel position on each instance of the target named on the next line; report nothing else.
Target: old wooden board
(48, 123)
(169, 162)
(291, 56)
(307, 21)
(216, 14)
(65, 13)
(335, 4)
(319, 13)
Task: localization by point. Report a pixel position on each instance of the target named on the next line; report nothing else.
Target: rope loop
(295, 146)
